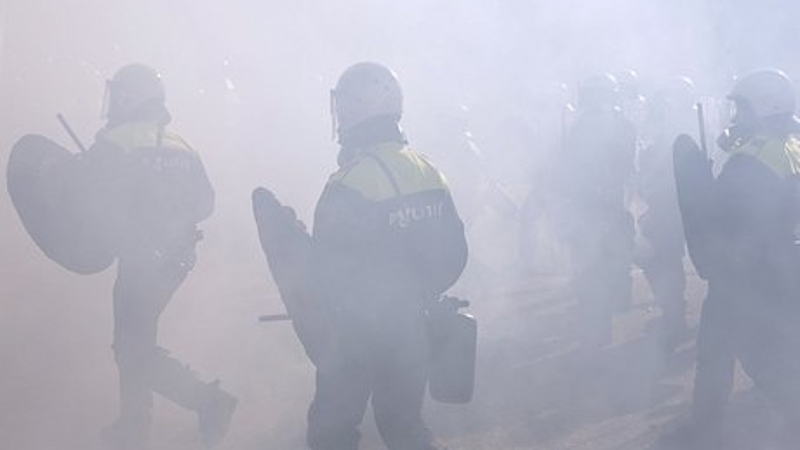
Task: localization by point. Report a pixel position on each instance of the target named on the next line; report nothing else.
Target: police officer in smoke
(634, 105)
(387, 241)
(590, 179)
(661, 247)
(749, 257)
(152, 190)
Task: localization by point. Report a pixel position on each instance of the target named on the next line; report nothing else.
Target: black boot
(214, 415)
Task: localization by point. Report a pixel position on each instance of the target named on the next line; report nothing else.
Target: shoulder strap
(386, 170)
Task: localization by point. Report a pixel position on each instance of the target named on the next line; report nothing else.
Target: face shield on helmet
(760, 95)
(133, 91)
(364, 91)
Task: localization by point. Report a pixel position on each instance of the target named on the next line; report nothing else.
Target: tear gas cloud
(248, 86)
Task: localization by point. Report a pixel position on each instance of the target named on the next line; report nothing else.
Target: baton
(70, 132)
(274, 318)
(701, 123)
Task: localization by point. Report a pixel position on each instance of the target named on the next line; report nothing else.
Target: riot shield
(694, 182)
(287, 246)
(46, 185)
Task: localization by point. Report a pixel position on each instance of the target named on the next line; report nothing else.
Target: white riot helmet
(135, 90)
(763, 94)
(365, 90)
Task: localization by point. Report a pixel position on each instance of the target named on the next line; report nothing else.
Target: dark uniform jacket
(592, 172)
(751, 214)
(157, 184)
(386, 239)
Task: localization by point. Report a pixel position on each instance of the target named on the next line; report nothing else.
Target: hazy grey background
(247, 84)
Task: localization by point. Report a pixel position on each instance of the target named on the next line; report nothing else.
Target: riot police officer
(634, 105)
(662, 247)
(591, 176)
(749, 258)
(153, 193)
(387, 241)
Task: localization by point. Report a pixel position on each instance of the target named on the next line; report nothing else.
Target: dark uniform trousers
(601, 254)
(387, 366)
(737, 323)
(663, 268)
(144, 285)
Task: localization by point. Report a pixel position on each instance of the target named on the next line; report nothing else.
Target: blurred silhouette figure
(482, 200)
(152, 190)
(456, 151)
(749, 258)
(634, 105)
(540, 250)
(590, 180)
(661, 247)
(387, 241)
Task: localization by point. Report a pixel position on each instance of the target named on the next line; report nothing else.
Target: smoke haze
(248, 86)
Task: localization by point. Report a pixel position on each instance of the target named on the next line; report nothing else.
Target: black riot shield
(694, 182)
(46, 184)
(287, 246)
